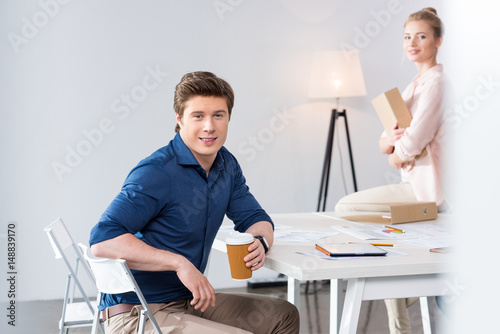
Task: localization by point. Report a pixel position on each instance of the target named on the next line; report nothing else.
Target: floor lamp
(335, 74)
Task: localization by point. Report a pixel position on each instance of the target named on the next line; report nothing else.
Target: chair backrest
(74, 314)
(59, 237)
(63, 245)
(112, 275)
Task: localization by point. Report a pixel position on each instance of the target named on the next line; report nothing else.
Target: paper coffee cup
(237, 248)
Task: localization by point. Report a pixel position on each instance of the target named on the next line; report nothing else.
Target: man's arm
(138, 254)
(257, 255)
(141, 256)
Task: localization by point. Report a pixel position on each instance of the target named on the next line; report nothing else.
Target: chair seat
(79, 313)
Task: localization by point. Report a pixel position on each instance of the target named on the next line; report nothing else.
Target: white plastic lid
(237, 238)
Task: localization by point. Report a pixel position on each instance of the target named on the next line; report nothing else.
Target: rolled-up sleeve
(243, 208)
(427, 119)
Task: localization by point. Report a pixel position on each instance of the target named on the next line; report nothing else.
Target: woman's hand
(395, 134)
(387, 143)
(396, 162)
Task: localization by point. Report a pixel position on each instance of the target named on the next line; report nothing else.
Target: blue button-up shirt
(169, 202)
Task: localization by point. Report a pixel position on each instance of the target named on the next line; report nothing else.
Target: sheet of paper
(320, 255)
(230, 228)
(300, 236)
(431, 228)
(372, 231)
(432, 242)
(433, 234)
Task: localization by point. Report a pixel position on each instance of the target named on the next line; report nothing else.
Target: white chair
(113, 276)
(74, 314)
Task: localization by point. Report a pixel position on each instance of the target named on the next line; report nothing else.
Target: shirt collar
(185, 156)
(431, 72)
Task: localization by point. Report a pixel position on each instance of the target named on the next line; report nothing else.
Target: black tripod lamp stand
(335, 74)
(325, 175)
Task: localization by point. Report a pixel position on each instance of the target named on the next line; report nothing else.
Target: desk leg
(293, 291)
(426, 319)
(352, 305)
(336, 303)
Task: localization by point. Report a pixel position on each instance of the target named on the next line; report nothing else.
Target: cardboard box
(391, 108)
(400, 213)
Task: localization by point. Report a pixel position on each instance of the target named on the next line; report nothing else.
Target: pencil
(395, 229)
(323, 250)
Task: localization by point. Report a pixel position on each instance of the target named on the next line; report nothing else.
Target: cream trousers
(373, 199)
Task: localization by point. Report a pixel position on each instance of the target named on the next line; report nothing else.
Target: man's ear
(178, 119)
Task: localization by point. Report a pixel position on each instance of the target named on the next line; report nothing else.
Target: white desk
(420, 273)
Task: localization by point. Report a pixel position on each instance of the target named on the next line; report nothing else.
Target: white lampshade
(336, 74)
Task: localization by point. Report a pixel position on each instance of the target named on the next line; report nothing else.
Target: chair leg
(142, 322)
(63, 315)
(96, 322)
(101, 326)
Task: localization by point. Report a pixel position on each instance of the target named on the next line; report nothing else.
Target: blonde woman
(420, 173)
(415, 150)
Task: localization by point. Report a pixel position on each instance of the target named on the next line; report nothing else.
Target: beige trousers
(373, 199)
(233, 314)
(397, 312)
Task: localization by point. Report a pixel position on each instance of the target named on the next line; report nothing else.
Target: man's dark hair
(201, 84)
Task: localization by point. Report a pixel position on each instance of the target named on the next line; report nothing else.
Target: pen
(395, 229)
(375, 244)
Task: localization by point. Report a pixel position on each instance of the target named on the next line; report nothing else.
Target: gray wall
(86, 92)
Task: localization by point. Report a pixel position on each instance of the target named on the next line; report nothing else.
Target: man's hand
(257, 256)
(255, 259)
(198, 284)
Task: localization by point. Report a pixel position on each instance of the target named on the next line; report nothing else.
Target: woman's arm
(427, 119)
(386, 143)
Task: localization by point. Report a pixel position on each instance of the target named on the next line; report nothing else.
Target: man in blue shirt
(166, 217)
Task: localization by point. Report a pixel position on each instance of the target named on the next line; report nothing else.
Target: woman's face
(419, 44)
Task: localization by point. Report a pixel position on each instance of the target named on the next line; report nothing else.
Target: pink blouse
(424, 97)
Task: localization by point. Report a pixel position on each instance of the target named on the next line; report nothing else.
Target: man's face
(204, 127)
